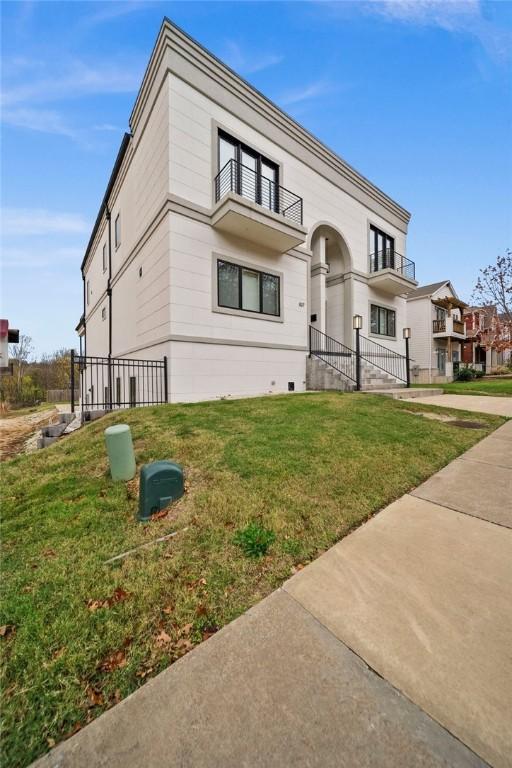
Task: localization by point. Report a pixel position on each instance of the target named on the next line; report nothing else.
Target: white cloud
(456, 16)
(306, 92)
(113, 10)
(38, 221)
(80, 79)
(42, 120)
(106, 127)
(245, 62)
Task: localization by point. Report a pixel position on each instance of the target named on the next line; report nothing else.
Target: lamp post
(357, 324)
(407, 336)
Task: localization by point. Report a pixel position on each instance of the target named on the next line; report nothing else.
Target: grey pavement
(392, 649)
(498, 406)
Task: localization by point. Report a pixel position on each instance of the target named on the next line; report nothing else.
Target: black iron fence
(108, 383)
(245, 181)
(348, 361)
(333, 352)
(390, 259)
(384, 358)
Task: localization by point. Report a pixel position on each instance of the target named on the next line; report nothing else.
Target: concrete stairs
(321, 376)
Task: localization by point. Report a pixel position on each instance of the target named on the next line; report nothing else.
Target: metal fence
(245, 181)
(390, 259)
(109, 383)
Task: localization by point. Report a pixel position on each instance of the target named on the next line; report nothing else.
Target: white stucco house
(435, 316)
(233, 243)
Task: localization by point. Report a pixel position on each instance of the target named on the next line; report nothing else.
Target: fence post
(310, 329)
(407, 362)
(110, 382)
(358, 362)
(72, 378)
(166, 383)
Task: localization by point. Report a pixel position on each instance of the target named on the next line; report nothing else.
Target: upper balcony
(251, 206)
(448, 327)
(391, 272)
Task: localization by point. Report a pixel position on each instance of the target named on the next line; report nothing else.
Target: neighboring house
(488, 337)
(225, 231)
(434, 315)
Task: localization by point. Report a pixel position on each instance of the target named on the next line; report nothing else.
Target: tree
(494, 286)
(20, 355)
(493, 293)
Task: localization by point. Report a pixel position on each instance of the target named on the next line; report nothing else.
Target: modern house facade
(435, 316)
(227, 232)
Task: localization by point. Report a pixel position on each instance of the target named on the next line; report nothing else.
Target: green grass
(308, 468)
(497, 387)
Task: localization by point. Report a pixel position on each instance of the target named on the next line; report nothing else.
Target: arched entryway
(331, 283)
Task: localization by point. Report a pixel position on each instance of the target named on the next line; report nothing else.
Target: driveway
(499, 406)
(391, 650)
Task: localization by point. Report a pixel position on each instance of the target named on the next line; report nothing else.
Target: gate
(109, 383)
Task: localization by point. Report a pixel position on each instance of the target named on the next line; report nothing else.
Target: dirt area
(15, 431)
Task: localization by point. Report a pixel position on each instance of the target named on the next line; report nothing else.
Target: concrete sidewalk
(391, 650)
(498, 406)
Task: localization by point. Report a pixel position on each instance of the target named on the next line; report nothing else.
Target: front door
(441, 361)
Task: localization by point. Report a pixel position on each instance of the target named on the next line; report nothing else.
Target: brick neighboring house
(482, 324)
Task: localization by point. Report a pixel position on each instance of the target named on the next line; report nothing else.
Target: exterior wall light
(357, 322)
(407, 333)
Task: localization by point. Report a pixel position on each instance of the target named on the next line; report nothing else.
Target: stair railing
(333, 353)
(385, 359)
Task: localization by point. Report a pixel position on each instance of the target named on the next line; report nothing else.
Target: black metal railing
(242, 180)
(390, 259)
(108, 383)
(386, 359)
(333, 352)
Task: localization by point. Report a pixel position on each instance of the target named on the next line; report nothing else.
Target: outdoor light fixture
(407, 333)
(357, 322)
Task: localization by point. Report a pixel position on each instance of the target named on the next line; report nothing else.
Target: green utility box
(160, 484)
(120, 452)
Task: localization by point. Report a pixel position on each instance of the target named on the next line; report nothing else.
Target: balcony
(392, 273)
(448, 327)
(250, 206)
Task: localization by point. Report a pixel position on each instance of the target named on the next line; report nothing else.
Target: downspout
(85, 321)
(109, 294)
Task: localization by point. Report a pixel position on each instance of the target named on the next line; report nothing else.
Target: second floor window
(117, 230)
(88, 292)
(247, 172)
(382, 250)
(247, 289)
(105, 257)
(382, 320)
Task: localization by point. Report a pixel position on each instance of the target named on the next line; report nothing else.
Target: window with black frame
(247, 172)
(247, 289)
(382, 250)
(382, 321)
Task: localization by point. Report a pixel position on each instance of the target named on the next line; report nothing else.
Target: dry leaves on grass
(116, 660)
(7, 629)
(95, 696)
(118, 596)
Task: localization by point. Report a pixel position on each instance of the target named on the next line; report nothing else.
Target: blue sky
(416, 94)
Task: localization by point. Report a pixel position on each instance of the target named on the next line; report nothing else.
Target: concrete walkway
(391, 650)
(498, 406)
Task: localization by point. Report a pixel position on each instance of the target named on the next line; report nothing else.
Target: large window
(382, 321)
(247, 289)
(252, 174)
(382, 250)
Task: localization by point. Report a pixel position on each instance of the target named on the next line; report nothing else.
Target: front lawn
(495, 387)
(79, 634)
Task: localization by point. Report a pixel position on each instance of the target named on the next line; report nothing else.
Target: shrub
(254, 540)
(478, 373)
(465, 374)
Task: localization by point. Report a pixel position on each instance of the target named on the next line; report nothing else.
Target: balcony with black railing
(252, 206)
(391, 272)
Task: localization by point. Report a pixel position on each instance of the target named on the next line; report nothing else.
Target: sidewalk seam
(452, 509)
(378, 674)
